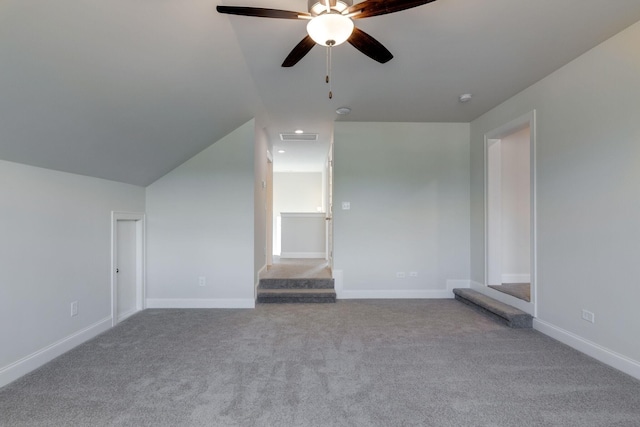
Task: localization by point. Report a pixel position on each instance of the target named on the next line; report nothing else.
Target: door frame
(140, 220)
(519, 123)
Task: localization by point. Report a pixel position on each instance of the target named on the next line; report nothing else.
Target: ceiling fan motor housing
(318, 7)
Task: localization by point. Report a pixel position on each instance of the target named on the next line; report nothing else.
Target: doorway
(300, 207)
(127, 265)
(510, 230)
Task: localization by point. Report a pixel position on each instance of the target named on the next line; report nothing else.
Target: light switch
(346, 206)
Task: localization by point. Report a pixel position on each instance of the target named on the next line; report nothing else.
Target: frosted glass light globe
(330, 29)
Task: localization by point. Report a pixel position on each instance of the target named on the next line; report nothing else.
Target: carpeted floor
(290, 268)
(354, 363)
(518, 290)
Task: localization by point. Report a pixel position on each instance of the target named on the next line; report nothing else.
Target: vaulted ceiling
(129, 89)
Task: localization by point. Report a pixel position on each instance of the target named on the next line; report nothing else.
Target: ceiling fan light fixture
(330, 29)
(317, 7)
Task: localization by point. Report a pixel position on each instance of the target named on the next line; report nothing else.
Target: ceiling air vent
(298, 136)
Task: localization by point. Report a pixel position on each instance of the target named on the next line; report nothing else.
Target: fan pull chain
(328, 78)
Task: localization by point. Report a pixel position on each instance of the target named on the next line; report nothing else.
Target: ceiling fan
(331, 23)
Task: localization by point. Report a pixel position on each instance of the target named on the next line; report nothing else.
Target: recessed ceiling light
(466, 97)
(343, 110)
(281, 151)
(299, 131)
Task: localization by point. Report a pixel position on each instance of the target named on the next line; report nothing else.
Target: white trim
(302, 255)
(200, 303)
(303, 214)
(341, 293)
(126, 315)
(516, 278)
(397, 294)
(523, 305)
(255, 287)
(141, 266)
(598, 352)
(35, 360)
(338, 282)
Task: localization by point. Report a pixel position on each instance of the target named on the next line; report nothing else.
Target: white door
(126, 269)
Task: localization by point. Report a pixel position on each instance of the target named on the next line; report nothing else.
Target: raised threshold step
(284, 296)
(296, 284)
(504, 313)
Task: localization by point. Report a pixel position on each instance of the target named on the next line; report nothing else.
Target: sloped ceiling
(128, 90)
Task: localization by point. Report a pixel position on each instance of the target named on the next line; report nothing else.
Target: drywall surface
(516, 206)
(588, 203)
(260, 201)
(55, 248)
(408, 189)
(200, 223)
(297, 192)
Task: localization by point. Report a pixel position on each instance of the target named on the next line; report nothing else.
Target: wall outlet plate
(74, 308)
(588, 316)
(202, 281)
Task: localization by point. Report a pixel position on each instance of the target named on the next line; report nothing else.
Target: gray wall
(200, 222)
(55, 248)
(297, 192)
(516, 206)
(588, 203)
(408, 185)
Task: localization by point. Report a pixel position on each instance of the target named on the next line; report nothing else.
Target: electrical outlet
(400, 275)
(74, 308)
(413, 274)
(202, 281)
(588, 316)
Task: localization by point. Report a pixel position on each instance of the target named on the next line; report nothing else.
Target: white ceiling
(129, 89)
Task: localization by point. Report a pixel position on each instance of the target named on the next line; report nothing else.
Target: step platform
(291, 291)
(503, 313)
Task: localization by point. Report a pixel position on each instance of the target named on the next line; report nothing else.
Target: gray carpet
(519, 290)
(354, 363)
(297, 268)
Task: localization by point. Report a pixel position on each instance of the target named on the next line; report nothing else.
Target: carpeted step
(296, 296)
(504, 313)
(296, 284)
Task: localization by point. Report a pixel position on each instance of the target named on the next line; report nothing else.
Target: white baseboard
(341, 293)
(255, 287)
(303, 255)
(126, 315)
(200, 303)
(395, 294)
(598, 352)
(35, 360)
(338, 282)
(516, 278)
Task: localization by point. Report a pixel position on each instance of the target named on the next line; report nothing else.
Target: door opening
(510, 214)
(127, 265)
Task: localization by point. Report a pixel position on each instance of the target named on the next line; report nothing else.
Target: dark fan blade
(262, 13)
(382, 7)
(299, 52)
(369, 46)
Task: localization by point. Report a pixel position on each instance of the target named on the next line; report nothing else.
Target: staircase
(296, 291)
(503, 313)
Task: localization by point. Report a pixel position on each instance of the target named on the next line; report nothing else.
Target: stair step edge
(274, 283)
(511, 316)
